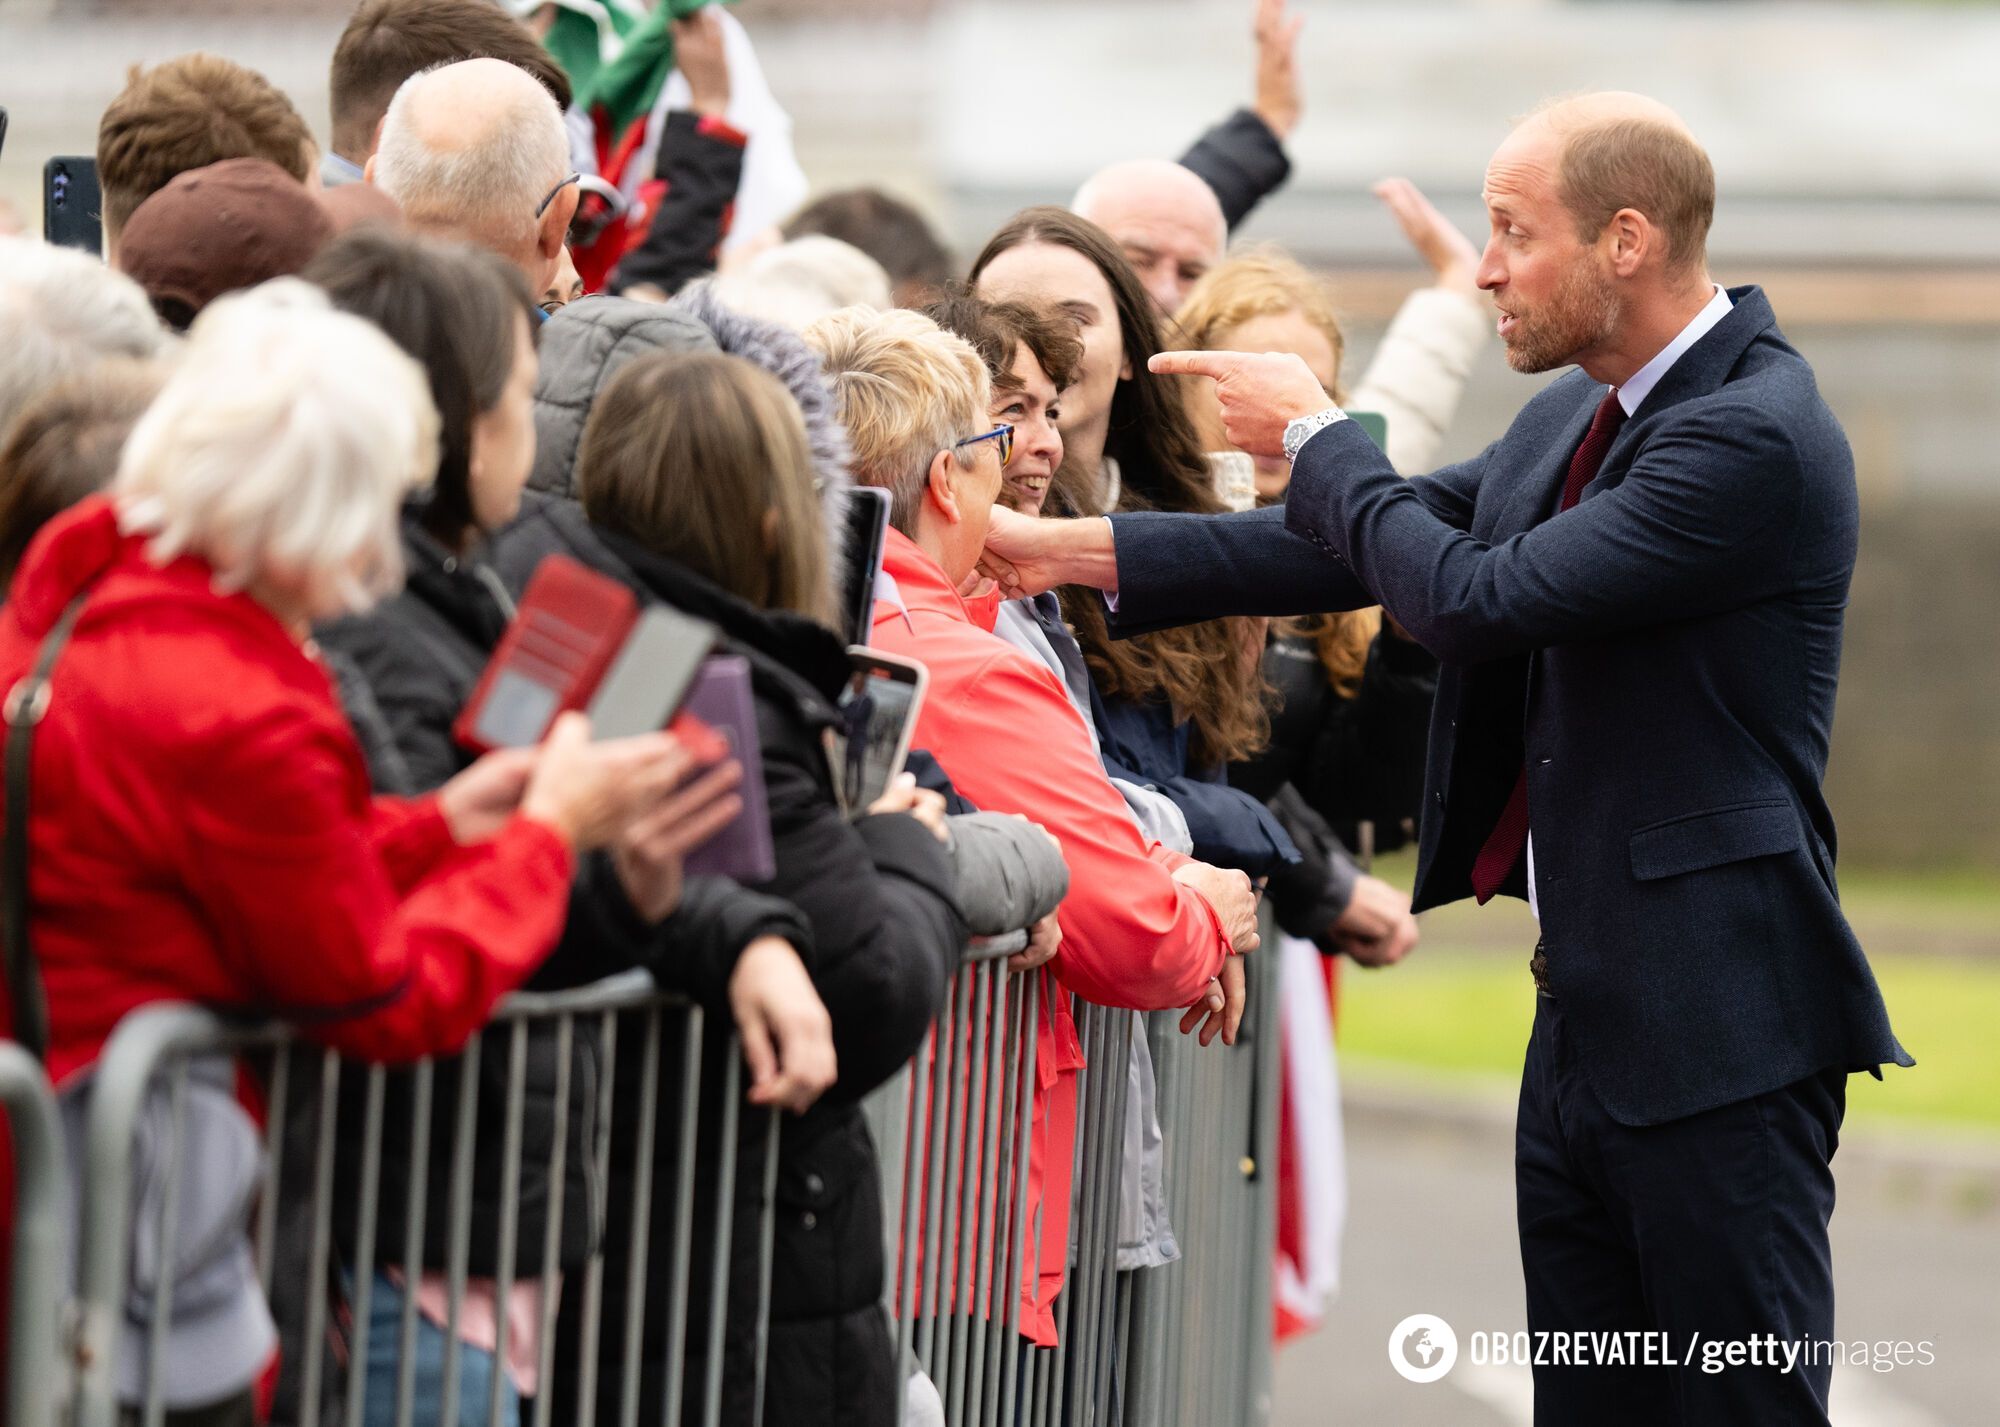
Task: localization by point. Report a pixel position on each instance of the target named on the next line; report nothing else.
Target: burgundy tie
(1510, 834)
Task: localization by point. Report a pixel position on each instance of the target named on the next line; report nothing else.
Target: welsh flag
(619, 55)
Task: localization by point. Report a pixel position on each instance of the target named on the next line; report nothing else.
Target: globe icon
(1418, 1349)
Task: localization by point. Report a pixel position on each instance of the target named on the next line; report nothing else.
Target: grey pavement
(1430, 1229)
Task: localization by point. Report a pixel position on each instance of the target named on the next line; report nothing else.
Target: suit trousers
(1711, 1230)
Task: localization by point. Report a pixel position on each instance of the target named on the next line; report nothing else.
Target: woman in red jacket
(199, 825)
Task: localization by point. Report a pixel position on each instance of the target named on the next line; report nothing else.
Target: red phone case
(570, 625)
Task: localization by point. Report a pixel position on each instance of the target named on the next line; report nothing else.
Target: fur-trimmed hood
(588, 342)
(784, 354)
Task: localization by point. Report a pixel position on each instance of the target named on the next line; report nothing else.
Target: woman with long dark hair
(1172, 708)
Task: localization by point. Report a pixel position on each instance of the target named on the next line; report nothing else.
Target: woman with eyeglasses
(1171, 709)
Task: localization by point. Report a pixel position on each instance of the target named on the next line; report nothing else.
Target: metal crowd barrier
(1199, 1338)
(34, 1295)
(951, 1133)
(1188, 1343)
(152, 1054)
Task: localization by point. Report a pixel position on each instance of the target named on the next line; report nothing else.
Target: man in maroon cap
(213, 230)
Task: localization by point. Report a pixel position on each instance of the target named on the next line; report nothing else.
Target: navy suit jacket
(1663, 659)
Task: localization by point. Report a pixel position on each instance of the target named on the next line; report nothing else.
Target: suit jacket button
(809, 1219)
(815, 1186)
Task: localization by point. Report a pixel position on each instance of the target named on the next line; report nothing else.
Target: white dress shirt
(1637, 388)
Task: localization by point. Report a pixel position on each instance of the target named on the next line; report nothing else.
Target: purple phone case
(720, 697)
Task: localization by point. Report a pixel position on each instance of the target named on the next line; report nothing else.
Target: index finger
(1193, 364)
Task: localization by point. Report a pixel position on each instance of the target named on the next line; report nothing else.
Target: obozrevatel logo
(1422, 1347)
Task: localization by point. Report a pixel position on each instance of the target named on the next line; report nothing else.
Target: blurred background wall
(1858, 148)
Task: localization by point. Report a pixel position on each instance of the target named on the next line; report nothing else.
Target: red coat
(1005, 732)
(201, 826)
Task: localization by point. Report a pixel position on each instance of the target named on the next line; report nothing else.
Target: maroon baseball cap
(213, 230)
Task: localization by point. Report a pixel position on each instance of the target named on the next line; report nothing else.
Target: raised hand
(1261, 393)
(1448, 252)
(700, 56)
(1278, 101)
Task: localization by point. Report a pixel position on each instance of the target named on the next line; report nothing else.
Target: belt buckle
(1538, 967)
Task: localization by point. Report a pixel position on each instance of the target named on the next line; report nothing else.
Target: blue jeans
(475, 1370)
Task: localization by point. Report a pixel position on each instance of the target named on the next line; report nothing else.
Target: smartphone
(651, 674)
(3, 130)
(72, 207)
(721, 698)
(878, 713)
(867, 528)
(570, 626)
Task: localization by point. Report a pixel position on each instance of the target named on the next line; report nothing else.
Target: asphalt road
(1430, 1229)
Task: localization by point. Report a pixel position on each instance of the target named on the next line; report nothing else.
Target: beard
(1583, 314)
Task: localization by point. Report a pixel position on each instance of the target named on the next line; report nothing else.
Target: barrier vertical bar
(464, 1132)
(163, 1279)
(642, 1220)
(545, 1393)
(680, 1246)
(321, 1247)
(1023, 1229)
(767, 1215)
(725, 1227)
(591, 1315)
(510, 1213)
(424, 1089)
(35, 1288)
(362, 1290)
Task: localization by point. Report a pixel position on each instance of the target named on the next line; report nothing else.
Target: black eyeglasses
(543, 206)
(1003, 433)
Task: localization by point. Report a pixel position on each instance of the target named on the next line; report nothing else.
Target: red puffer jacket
(201, 827)
(1003, 730)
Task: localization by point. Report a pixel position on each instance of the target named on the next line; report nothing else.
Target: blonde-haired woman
(197, 819)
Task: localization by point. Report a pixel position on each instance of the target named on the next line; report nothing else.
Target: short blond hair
(1261, 282)
(907, 389)
(282, 448)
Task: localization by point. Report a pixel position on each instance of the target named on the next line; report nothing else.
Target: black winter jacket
(1242, 160)
(887, 933)
(419, 655)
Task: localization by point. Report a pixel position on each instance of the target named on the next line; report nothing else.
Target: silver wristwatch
(1303, 429)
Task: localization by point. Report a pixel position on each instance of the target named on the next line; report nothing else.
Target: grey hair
(484, 189)
(61, 312)
(798, 282)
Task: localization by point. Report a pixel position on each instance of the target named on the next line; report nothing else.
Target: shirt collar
(1640, 385)
(335, 170)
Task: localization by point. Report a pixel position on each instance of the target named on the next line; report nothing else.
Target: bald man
(1637, 597)
(477, 151)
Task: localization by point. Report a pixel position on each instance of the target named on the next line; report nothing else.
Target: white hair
(282, 448)
(62, 312)
(797, 283)
(471, 147)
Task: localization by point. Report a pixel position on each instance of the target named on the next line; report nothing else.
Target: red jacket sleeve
(1132, 936)
(411, 837)
(287, 858)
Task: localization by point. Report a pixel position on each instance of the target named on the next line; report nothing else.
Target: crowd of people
(276, 469)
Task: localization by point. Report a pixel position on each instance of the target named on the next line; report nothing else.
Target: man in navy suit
(1637, 596)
